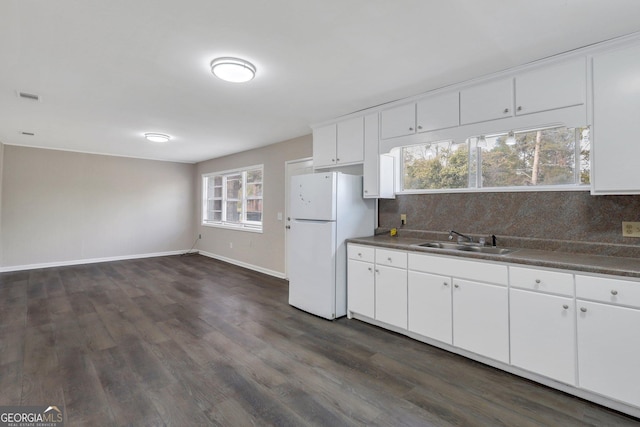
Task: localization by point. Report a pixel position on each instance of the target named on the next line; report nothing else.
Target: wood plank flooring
(190, 341)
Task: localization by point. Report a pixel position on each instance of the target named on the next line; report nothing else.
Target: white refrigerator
(325, 209)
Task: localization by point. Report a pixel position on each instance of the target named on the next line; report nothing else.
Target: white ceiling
(107, 71)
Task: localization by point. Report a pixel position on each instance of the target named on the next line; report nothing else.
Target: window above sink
(550, 158)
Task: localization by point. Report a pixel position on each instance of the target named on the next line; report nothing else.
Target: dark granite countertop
(589, 263)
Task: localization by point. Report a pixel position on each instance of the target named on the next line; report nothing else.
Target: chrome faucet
(452, 232)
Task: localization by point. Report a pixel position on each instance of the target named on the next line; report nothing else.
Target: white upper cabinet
(339, 143)
(398, 121)
(551, 87)
(350, 141)
(324, 145)
(434, 112)
(377, 170)
(487, 101)
(438, 112)
(616, 111)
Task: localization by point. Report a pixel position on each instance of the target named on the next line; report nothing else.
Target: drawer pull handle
(583, 309)
(565, 306)
(537, 280)
(614, 292)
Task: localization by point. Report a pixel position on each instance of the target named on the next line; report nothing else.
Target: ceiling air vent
(29, 96)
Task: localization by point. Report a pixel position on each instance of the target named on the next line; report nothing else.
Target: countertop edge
(595, 264)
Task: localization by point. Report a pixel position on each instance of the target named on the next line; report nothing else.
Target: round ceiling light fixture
(234, 70)
(157, 137)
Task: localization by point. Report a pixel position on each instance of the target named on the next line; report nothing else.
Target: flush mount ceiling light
(157, 137)
(234, 70)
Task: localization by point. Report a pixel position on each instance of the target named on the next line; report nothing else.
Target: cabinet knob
(360, 254)
(333, 160)
(565, 306)
(538, 281)
(519, 108)
(506, 110)
(411, 129)
(456, 285)
(583, 309)
(389, 259)
(614, 292)
(370, 269)
(445, 283)
(419, 127)
(337, 160)
(288, 227)
(377, 271)
(366, 191)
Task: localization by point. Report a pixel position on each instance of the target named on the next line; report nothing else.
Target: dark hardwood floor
(189, 341)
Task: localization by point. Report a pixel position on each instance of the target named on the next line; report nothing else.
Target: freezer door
(312, 196)
(312, 268)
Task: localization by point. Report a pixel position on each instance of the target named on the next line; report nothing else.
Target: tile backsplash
(560, 220)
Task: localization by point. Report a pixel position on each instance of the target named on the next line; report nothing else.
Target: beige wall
(63, 207)
(265, 251)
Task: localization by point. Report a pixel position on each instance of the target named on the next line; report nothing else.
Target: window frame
(477, 172)
(243, 224)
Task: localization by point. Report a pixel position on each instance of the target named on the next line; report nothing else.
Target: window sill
(234, 227)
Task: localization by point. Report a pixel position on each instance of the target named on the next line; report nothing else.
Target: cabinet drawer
(361, 253)
(458, 267)
(608, 290)
(533, 279)
(391, 258)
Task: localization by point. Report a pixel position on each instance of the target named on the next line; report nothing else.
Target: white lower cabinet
(542, 335)
(429, 302)
(391, 295)
(481, 319)
(609, 337)
(361, 288)
(377, 284)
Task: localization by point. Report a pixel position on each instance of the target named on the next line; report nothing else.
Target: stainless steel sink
(466, 248)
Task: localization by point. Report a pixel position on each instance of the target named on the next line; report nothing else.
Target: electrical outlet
(630, 229)
(403, 219)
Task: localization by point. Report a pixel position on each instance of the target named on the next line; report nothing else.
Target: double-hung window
(233, 198)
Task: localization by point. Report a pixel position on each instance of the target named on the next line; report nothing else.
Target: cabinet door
(487, 101)
(370, 167)
(324, 146)
(360, 288)
(543, 334)
(608, 349)
(481, 319)
(391, 295)
(550, 87)
(616, 108)
(398, 121)
(438, 112)
(430, 305)
(350, 141)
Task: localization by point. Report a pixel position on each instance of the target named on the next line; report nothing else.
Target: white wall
(62, 207)
(265, 251)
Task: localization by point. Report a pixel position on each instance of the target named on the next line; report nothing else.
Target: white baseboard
(259, 269)
(87, 261)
